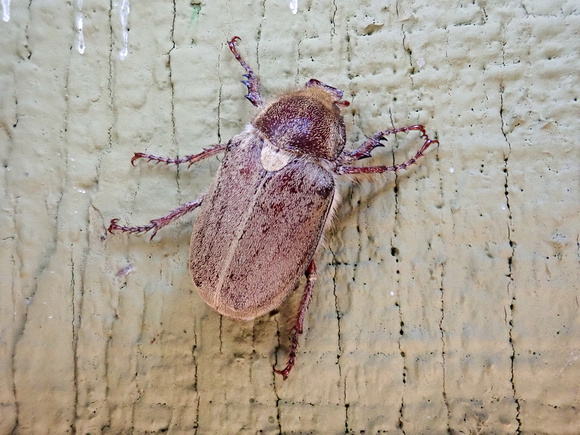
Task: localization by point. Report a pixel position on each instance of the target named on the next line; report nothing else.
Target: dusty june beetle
(263, 217)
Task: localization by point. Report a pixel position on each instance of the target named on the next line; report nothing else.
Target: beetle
(261, 221)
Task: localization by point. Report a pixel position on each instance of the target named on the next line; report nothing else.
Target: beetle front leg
(364, 151)
(252, 83)
(299, 325)
(194, 158)
(156, 224)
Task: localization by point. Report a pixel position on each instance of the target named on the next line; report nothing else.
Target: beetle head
(334, 92)
(306, 121)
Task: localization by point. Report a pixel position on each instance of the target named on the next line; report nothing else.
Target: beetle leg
(208, 152)
(156, 224)
(252, 83)
(299, 325)
(364, 151)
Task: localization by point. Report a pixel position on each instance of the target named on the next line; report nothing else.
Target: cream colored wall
(447, 296)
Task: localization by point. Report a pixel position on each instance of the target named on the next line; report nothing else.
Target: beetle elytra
(262, 219)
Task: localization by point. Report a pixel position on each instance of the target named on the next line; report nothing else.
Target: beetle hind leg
(364, 151)
(156, 224)
(252, 83)
(299, 325)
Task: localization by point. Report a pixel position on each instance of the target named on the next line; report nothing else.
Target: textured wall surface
(447, 296)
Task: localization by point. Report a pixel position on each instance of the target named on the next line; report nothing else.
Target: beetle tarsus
(191, 159)
(252, 83)
(114, 226)
(364, 151)
(299, 325)
(156, 224)
(291, 357)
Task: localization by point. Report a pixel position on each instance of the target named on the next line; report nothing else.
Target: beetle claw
(284, 372)
(112, 225)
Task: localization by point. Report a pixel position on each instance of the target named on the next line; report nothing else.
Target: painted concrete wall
(447, 295)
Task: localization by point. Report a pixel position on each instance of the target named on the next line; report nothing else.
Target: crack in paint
(346, 406)
(138, 359)
(333, 19)
(13, 401)
(400, 421)
(172, 87)
(339, 333)
(195, 380)
(442, 321)
(110, 78)
(338, 317)
(26, 35)
(259, 38)
(221, 339)
(444, 347)
(405, 47)
(274, 377)
(510, 314)
(395, 252)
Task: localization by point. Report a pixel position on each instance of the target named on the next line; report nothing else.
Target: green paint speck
(195, 10)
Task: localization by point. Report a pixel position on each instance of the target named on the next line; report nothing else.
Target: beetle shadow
(357, 194)
(284, 319)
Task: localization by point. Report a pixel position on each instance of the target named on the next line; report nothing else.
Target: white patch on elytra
(274, 159)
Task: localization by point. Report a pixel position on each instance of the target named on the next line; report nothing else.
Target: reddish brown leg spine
(364, 151)
(299, 325)
(208, 152)
(156, 224)
(252, 83)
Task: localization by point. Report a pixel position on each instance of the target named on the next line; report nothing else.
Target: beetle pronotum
(263, 217)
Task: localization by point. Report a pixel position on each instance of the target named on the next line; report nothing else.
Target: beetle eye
(313, 82)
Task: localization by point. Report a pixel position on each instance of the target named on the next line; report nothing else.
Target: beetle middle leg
(156, 224)
(252, 83)
(191, 159)
(364, 151)
(299, 325)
